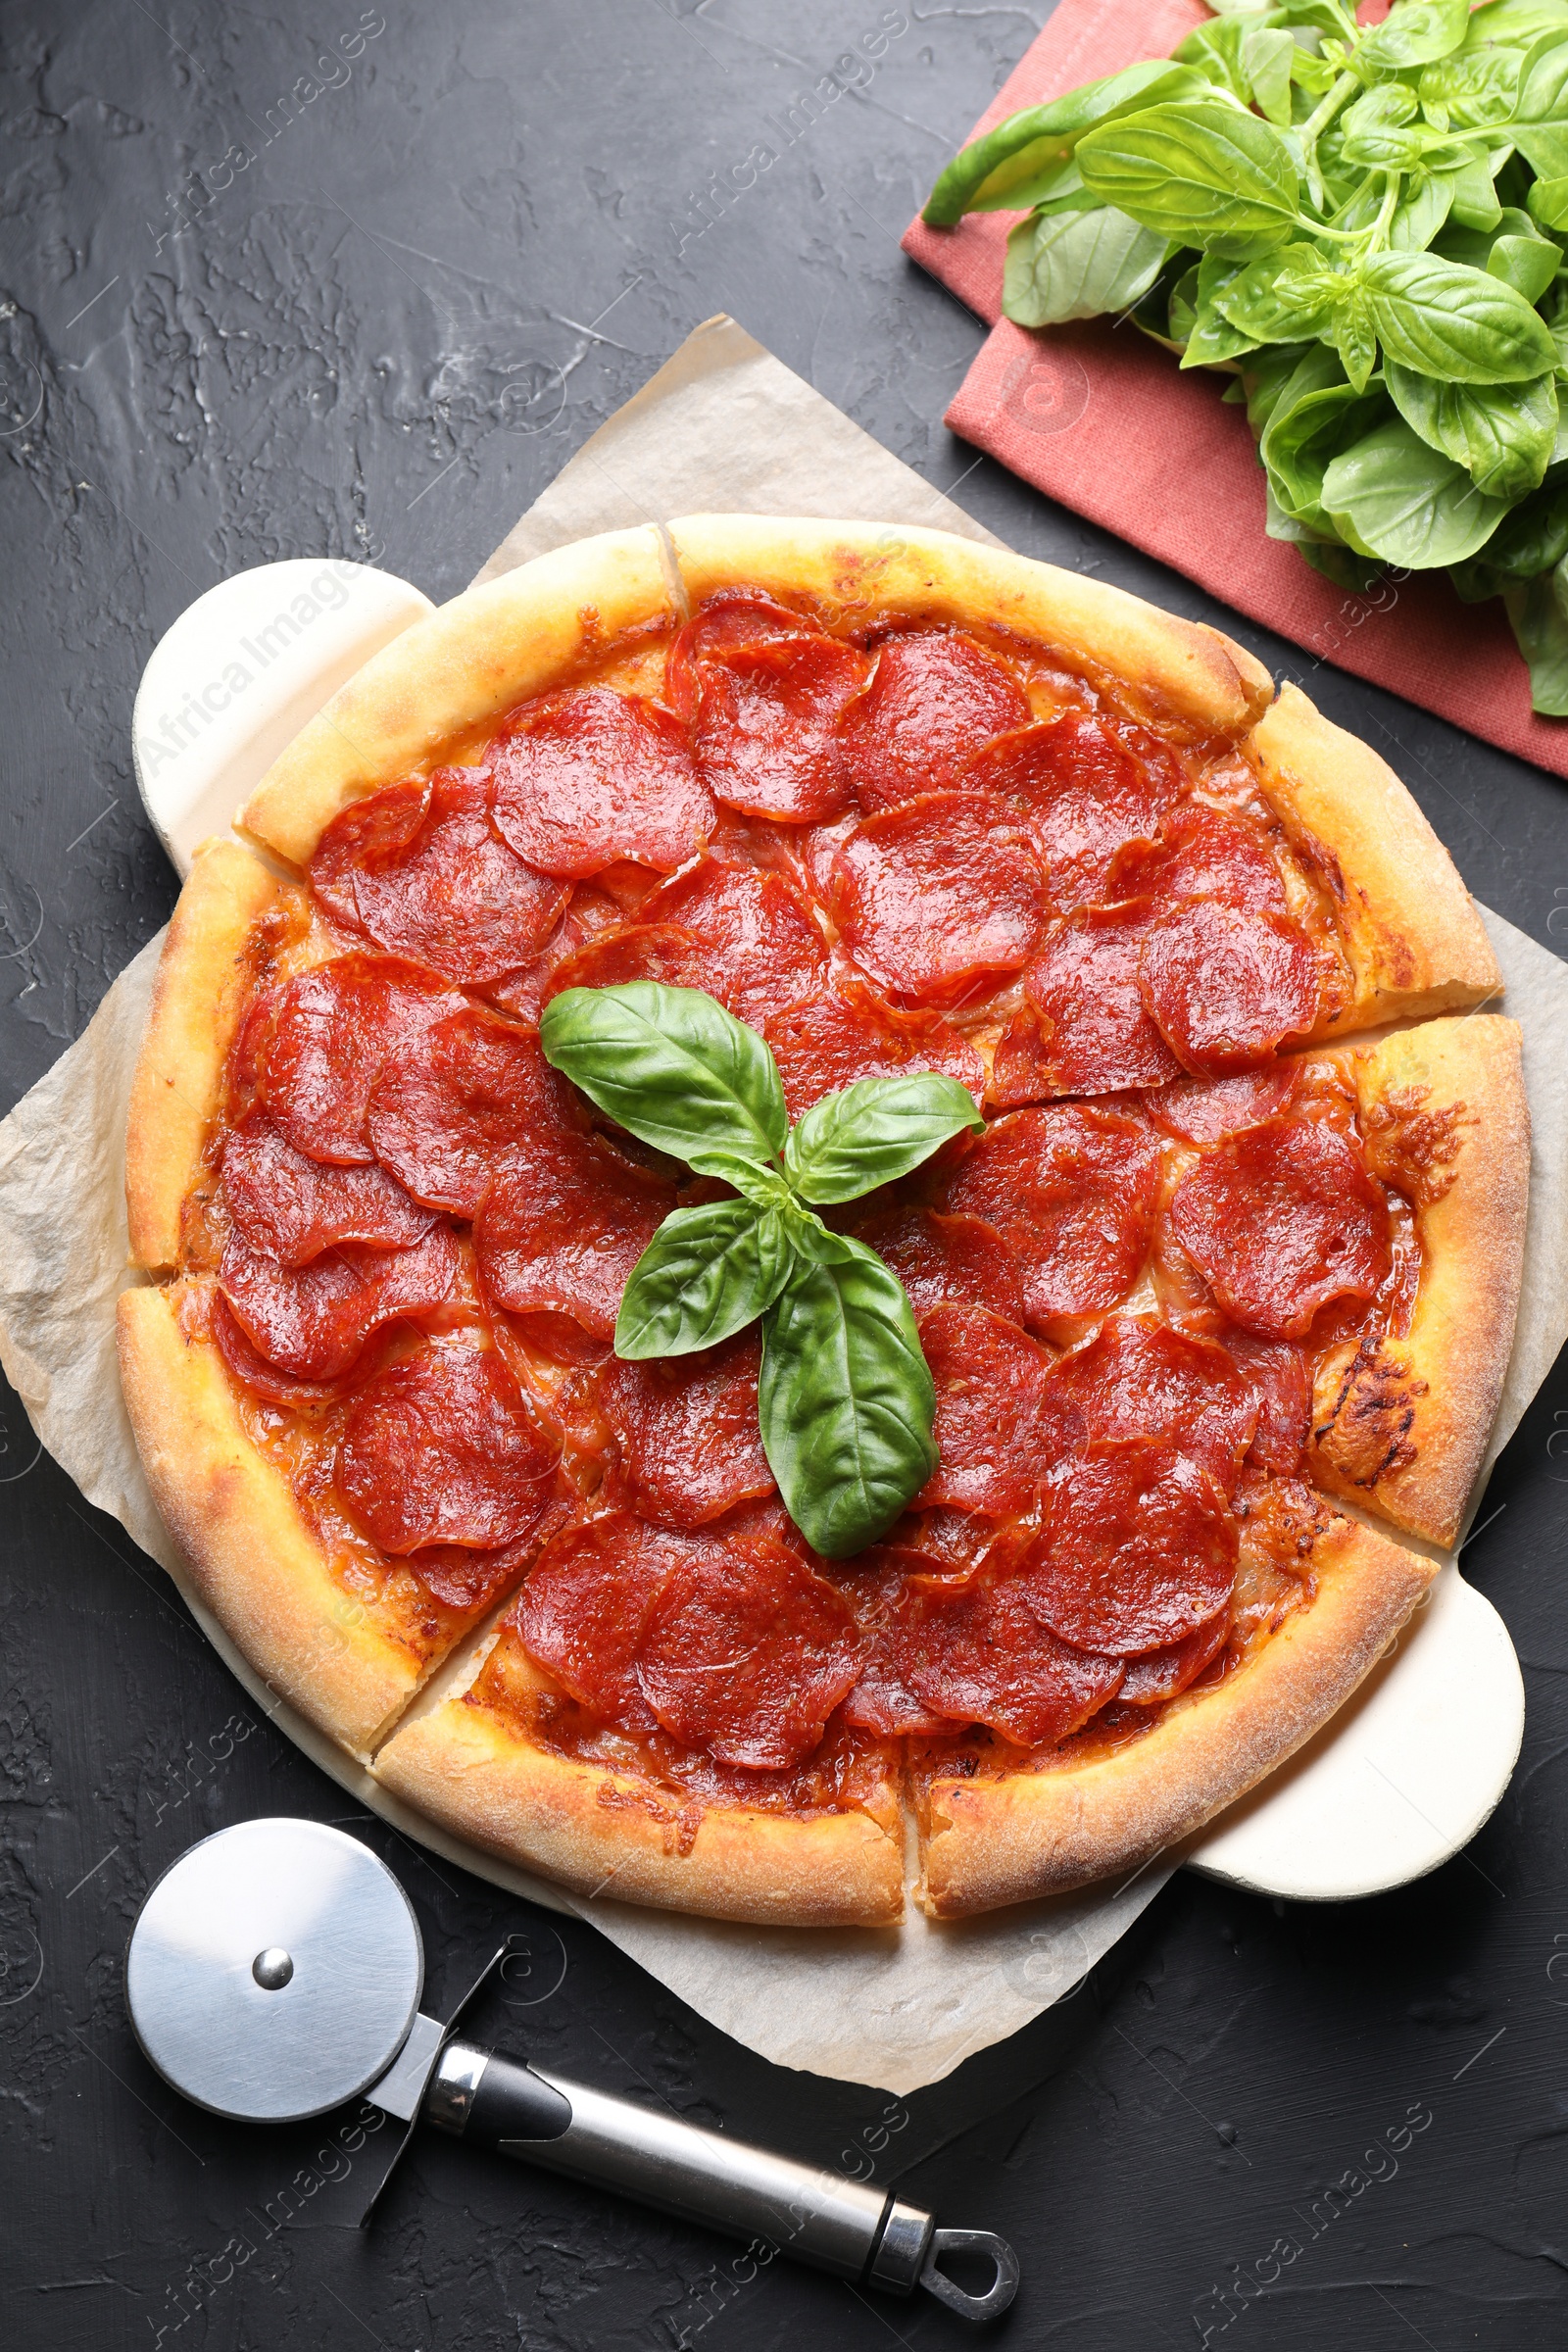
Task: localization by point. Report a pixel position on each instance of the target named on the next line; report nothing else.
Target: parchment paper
(723, 427)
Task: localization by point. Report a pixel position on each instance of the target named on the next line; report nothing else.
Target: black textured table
(297, 282)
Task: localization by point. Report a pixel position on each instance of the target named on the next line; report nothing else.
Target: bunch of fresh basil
(1367, 227)
(845, 1401)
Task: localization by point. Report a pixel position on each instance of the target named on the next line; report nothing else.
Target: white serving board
(1406, 1772)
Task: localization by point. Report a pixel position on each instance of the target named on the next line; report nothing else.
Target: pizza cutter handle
(865, 2235)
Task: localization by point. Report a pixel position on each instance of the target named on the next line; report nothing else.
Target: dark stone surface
(351, 349)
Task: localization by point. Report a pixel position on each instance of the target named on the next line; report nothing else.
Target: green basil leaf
(1421, 210)
(1414, 33)
(1266, 377)
(846, 1400)
(1286, 297)
(1251, 59)
(1502, 434)
(1475, 581)
(1516, 21)
(1475, 247)
(1451, 323)
(1355, 340)
(1197, 173)
(1541, 627)
(1474, 89)
(1077, 265)
(762, 1187)
(874, 1131)
(1356, 575)
(1549, 202)
(1314, 413)
(1007, 169)
(1534, 537)
(705, 1274)
(1392, 497)
(1527, 263)
(1182, 315)
(1474, 200)
(672, 1066)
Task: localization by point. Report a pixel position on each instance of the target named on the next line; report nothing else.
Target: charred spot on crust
(1364, 1412)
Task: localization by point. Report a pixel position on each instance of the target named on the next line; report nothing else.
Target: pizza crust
(1401, 1426)
(254, 1559)
(204, 977)
(989, 1842)
(1181, 669)
(475, 1770)
(467, 664)
(1414, 939)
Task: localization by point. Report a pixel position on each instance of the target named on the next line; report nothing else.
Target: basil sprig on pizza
(674, 1474)
(845, 1398)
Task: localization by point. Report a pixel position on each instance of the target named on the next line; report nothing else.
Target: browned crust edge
(198, 997)
(477, 1773)
(467, 662)
(991, 1842)
(1414, 940)
(1402, 1427)
(853, 568)
(255, 1562)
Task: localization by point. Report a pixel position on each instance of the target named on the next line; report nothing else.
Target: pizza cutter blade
(275, 1971)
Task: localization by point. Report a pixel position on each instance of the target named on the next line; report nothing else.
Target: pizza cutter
(275, 1970)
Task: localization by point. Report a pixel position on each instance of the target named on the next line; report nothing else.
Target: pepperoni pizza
(1216, 1304)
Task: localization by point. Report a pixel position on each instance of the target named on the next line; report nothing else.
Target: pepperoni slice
(1283, 1387)
(471, 1580)
(990, 1380)
(1139, 1378)
(937, 895)
(583, 1611)
(313, 1320)
(730, 618)
(445, 888)
(1227, 986)
(1085, 984)
(582, 779)
(1073, 1190)
(440, 1449)
(759, 944)
(1023, 1066)
(1202, 854)
(941, 1261)
(848, 1032)
(564, 1222)
(978, 1653)
(1086, 795)
(662, 951)
(816, 848)
(286, 1207)
(1163, 1674)
(1138, 1548)
(475, 1088)
(882, 1700)
(1282, 1221)
(686, 1427)
(330, 1032)
(934, 698)
(765, 724)
(747, 1653)
(235, 1347)
(1204, 1110)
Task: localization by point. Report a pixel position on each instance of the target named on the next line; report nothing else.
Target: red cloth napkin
(1104, 420)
